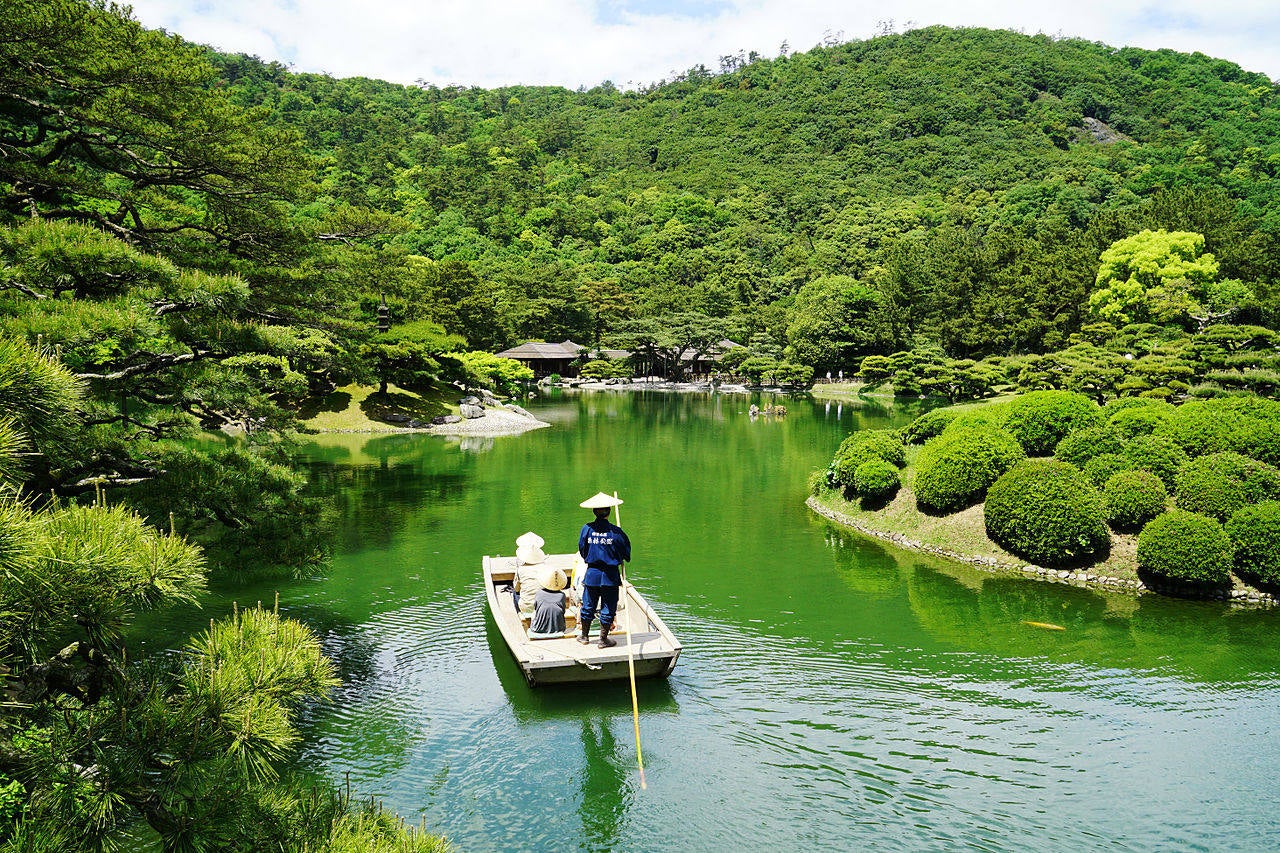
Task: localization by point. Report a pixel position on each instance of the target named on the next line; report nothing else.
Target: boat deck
(653, 647)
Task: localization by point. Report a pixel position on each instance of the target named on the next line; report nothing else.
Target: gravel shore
(495, 422)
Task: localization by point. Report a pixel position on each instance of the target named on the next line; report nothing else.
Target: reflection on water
(833, 693)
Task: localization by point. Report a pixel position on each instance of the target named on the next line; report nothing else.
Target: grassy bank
(362, 408)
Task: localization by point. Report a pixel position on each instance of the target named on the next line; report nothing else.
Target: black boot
(605, 641)
(584, 635)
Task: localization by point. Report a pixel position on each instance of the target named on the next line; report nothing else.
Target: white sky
(570, 43)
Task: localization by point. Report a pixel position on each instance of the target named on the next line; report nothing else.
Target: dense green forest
(951, 186)
(191, 241)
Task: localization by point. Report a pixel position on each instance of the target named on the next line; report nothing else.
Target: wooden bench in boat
(654, 649)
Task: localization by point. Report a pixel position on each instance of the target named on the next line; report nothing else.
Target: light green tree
(1158, 276)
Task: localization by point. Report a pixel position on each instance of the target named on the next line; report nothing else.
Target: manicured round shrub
(876, 479)
(1250, 406)
(1157, 454)
(955, 469)
(929, 425)
(1047, 512)
(1099, 469)
(1201, 427)
(1084, 444)
(1218, 484)
(990, 416)
(1260, 440)
(1185, 546)
(1040, 419)
(1121, 404)
(1140, 420)
(1254, 532)
(863, 446)
(1132, 498)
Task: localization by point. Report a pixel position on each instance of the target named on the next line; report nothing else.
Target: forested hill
(971, 177)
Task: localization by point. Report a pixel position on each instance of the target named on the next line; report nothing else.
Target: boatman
(604, 548)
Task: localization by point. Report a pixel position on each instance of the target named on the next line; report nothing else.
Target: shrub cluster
(1132, 498)
(864, 446)
(1047, 512)
(1040, 419)
(1185, 546)
(955, 469)
(1254, 532)
(876, 479)
(1084, 444)
(1218, 484)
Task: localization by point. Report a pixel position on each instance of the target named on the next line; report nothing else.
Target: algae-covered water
(832, 695)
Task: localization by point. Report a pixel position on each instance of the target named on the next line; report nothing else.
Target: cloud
(583, 42)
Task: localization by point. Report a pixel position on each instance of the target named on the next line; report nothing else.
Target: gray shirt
(548, 613)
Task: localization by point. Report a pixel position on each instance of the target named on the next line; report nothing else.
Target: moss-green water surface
(832, 695)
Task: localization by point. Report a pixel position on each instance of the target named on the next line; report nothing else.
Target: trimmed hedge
(1084, 444)
(1185, 546)
(1157, 454)
(1218, 484)
(876, 479)
(929, 425)
(1132, 498)
(1047, 512)
(955, 469)
(1099, 469)
(990, 416)
(863, 446)
(1261, 440)
(1123, 404)
(1140, 420)
(1041, 419)
(1254, 532)
(1202, 427)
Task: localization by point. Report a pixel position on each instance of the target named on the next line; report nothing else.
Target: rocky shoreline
(1075, 577)
(503, 419)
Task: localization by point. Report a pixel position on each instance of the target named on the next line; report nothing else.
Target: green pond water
(833, 694)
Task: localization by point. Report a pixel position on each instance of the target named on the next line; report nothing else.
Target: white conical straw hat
(600, 499)
(532, 539)
(529, 549)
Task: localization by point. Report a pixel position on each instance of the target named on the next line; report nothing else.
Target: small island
(1136, 494)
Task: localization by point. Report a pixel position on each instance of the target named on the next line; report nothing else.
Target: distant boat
(655, 649)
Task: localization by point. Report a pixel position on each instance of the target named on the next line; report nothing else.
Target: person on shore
(549, 606)
(604, 547)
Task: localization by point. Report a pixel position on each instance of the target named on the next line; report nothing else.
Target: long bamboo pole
(631, 663)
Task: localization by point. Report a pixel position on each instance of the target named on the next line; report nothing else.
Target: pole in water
(631, 665)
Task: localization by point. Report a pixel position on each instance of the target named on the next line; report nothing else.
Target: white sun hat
(529, 549)
(600, 499)
(554, 579)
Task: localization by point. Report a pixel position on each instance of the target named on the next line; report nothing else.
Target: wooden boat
(654, 649)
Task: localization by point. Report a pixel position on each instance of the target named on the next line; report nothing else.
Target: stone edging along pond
(1075, 577)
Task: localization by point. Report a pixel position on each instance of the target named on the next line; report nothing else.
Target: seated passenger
(549, 606)
(528, 579)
